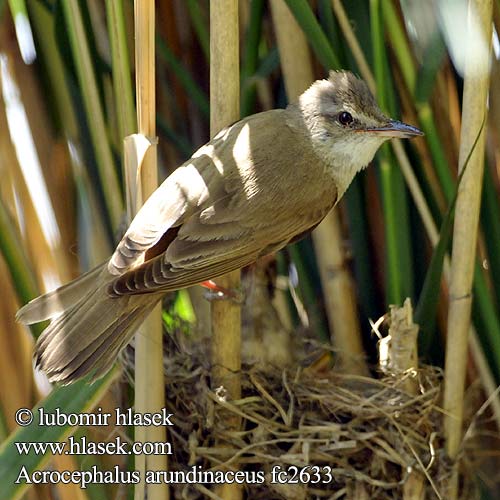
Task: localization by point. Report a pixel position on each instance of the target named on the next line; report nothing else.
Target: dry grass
(370, 433)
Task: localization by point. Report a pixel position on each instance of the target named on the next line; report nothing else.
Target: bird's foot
(216, 292)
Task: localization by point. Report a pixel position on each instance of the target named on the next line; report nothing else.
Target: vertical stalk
(93, 108)
(122, 84)
(224, 110)
(121, 68)
(482, 302)
(250, 56)
(403, 356)
(295, 58)
(474, 108)
(149, 390)
(43, 23)
(399, 279)
(337, 285)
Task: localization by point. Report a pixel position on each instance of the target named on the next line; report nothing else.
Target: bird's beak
(396, 129)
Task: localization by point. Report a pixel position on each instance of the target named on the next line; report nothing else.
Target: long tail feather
(50, 304)
(91, 329)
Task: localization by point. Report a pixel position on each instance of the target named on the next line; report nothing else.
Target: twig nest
(307, 435)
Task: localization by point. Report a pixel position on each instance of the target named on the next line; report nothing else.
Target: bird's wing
(240, 199)
(209, 176)
(163, 210)
(188, 261)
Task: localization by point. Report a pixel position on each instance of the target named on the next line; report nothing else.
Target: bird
(258, 185)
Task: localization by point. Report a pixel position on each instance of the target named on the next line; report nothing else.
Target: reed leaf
(425, 311)
(315, 35)
(93, 107)
(399, 279)
(78, 398)
(250, 57)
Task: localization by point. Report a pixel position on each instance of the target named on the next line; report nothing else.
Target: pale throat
(347, 156)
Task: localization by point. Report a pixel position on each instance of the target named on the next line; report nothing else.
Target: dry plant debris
(370, 434)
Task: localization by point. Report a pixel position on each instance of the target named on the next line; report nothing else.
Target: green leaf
(434, 55)
(79, 397)
(399, 275)
(24, 34)
(94, 110)
(425, 312)
(315, 35)
(490, 219)
(486, 317)
(17, 262)
(200, 26)
(187, 81)
(250, 57)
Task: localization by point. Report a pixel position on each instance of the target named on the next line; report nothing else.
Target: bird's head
(346, 124)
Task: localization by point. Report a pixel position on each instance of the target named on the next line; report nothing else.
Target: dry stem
(149, 391)
(224, 106)
(335, 278)
(476, 84)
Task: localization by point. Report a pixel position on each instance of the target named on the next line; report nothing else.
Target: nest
(309, 433)
(356, 437)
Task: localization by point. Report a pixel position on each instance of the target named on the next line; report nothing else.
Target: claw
(216, 292)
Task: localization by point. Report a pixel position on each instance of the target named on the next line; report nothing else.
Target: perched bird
(258, 185)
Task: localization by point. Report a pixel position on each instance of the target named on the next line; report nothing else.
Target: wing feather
(164, 209)
(234, 200)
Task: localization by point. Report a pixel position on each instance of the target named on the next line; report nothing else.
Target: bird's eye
(345, 118)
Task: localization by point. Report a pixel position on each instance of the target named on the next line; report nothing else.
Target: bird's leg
(216, 292)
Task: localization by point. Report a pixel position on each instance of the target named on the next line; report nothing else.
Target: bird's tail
(88, 328)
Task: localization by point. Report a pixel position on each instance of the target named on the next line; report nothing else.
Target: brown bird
(258, 185)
